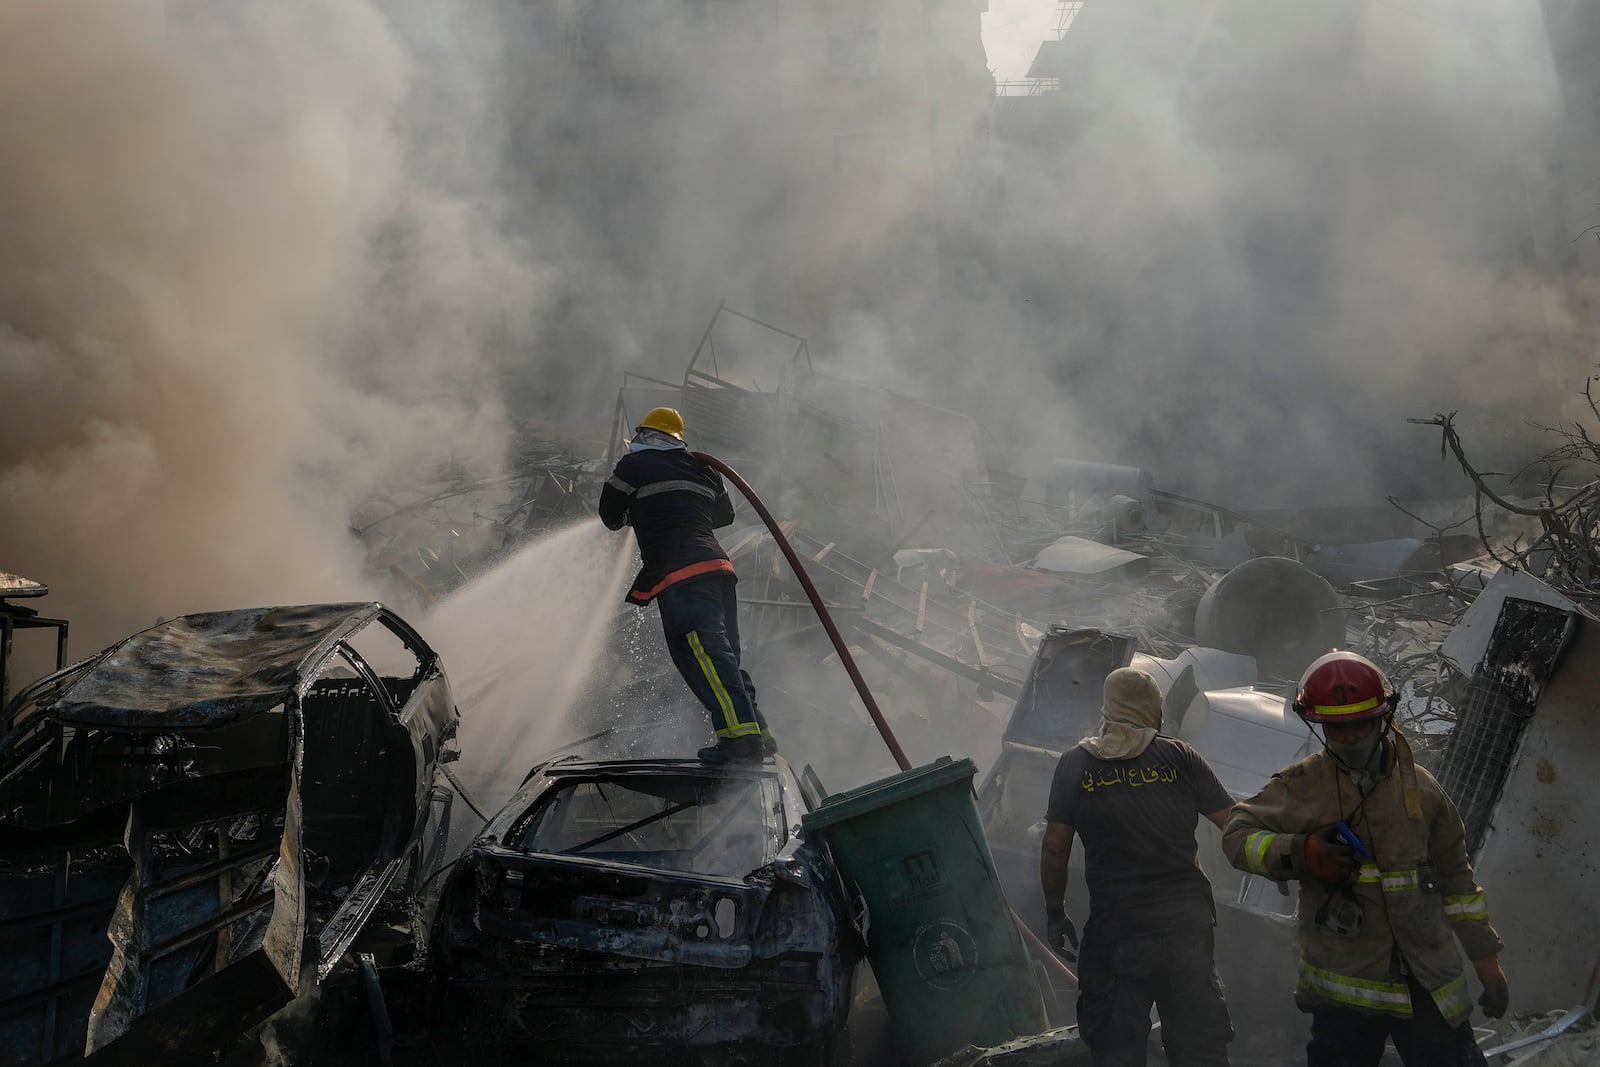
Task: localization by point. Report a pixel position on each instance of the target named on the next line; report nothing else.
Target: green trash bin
(941, 940)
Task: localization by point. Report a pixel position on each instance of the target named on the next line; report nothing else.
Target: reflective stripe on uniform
(619, 485)
(678, 487)
(693, 570)
(1454, 1001)
(1345, 709)
(1255, 851)
(1400, 881)
(714, 680)
(1391, 997)
(1390, 881)
(1466, 908)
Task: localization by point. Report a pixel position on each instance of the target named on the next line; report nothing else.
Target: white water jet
(520, 643)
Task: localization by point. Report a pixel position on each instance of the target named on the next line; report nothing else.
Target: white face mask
(654, 440)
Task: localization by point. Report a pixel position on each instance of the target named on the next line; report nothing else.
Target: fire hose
(1041, 950)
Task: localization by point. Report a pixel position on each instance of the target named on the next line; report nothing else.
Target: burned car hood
(599, 906)
(204, 670)
(662, 862)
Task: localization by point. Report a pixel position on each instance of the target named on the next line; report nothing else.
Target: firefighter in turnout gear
(673, 502)
(1386, 886)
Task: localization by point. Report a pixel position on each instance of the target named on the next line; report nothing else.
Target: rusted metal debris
(14, 617)
(431, 537)
(254, 806)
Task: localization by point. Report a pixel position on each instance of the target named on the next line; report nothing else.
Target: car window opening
(679, 823)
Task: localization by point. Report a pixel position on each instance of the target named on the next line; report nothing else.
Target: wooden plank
(922, 607)
(822, 554)
(750, 537)
(1001, 685)
(872, 578)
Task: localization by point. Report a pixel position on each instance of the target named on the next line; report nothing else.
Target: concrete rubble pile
(985, 613)
(955, 583)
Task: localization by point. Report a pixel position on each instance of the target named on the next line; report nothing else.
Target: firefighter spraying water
(673, 501)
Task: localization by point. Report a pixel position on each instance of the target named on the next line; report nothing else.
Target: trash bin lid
(892, 790)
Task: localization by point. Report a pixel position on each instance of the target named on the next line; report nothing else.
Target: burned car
(655, 910)
(198, 823)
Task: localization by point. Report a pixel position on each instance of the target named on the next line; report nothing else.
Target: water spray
(1040, 949)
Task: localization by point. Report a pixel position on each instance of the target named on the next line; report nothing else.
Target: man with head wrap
(1133, 796)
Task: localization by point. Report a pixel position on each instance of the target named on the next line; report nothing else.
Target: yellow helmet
(667, 420)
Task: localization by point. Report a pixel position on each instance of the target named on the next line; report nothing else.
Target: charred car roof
(207, 669)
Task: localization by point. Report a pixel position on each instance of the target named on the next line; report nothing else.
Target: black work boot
(745, 749)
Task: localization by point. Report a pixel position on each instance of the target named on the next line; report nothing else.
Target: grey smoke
(235, 298)
(262, 261)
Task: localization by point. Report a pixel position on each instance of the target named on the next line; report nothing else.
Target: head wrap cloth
(1130, 715)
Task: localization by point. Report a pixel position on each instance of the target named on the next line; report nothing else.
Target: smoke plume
(261, 261)
(234, 298)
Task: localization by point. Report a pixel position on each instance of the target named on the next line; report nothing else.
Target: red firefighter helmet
(1343, 687)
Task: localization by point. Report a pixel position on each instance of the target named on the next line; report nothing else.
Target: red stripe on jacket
(693, 570)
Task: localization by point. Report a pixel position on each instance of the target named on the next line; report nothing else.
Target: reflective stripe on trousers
(730, 726)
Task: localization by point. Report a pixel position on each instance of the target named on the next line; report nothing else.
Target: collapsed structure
(254, 804)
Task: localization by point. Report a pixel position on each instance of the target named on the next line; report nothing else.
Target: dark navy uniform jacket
(673, 501)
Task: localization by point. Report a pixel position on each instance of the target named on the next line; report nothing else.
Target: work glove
(1496, 996)
(1329, 859)
(1061, 935)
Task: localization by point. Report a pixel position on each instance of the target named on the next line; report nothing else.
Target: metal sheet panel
(1081, 556)
(1060, 700)
(1246, 735)
(1468, 641)
(16, 586)
(1541, 861)
(721, 416)
(1213, 668)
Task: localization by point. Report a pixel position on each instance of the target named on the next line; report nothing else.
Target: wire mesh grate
(1500, 702)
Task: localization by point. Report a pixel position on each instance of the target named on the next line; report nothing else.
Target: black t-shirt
(1136, 819)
